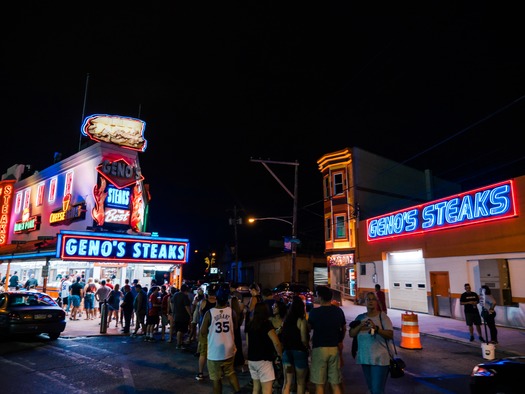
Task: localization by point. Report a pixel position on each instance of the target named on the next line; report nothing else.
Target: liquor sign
(6, 199)
(73, 245)
(489, 203)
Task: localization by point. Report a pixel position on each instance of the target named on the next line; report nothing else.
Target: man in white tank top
(217, 325)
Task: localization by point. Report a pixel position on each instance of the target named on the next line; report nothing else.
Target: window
(328, 230)
(339, 186)
(40, 194)
(340, 228)
(326, 187)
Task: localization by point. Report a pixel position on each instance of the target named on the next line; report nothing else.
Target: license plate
(40, 316)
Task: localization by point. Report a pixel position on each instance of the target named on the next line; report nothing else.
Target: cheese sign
(489, 203)
(72, 245)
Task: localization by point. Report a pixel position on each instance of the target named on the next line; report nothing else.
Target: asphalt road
(119, 364)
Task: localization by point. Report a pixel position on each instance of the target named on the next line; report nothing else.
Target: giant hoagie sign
(489, 203)
(120, 130)
(74, 245)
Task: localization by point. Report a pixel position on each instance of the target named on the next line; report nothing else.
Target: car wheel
(53, 335)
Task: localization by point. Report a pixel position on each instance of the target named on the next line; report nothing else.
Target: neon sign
(120, 173)
(6, 199)
(489, 203)
(30, 224)
(122, 248)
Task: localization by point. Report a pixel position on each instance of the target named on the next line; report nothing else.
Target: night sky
(438, 86)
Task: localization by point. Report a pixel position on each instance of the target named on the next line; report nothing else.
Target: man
(13, 281)
(470, 300)
(207, 303)
(32, 281)
(64, 294)
(153, 314)
(76, 292)
(221, 342)
(181, 315)
(328, 323)
(101, 295)
(140, 306)
(381, 299)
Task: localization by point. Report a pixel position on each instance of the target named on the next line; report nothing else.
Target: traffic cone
(410, 331)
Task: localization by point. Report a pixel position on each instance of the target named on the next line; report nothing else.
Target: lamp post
(293, 243)
(294, 196)
(252, 220)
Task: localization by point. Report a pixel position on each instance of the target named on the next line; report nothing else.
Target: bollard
(410, 331)
(103, 317)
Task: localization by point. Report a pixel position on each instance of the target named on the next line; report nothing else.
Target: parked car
(243, 289)
(498, 376)
(30, 312)
(285, 291)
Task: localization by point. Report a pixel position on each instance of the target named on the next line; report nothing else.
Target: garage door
(407, 287)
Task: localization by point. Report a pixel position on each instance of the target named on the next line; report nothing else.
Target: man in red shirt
(381, 299)
(152, 318)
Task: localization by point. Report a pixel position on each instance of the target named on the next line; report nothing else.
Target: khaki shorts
(218, 369)
(325, 365)
(202, 347)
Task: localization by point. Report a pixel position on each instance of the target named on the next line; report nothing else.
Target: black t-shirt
(470, 296)
(260, 346)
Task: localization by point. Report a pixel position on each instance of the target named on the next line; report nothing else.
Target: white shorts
(261, 370)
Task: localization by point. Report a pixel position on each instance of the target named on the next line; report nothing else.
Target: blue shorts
(89, 301)
(75, 300)
(296, 358)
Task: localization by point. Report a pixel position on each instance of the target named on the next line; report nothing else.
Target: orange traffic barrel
(410, 331)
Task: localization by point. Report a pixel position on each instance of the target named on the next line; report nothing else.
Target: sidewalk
(511, 340)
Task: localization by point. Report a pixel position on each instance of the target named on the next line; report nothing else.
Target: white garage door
(408, 289)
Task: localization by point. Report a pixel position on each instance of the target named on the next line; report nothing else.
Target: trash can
(488, 351)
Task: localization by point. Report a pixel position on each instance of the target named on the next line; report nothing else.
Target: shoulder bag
(397, 365)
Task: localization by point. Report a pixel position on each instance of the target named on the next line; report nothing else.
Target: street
(118, 364)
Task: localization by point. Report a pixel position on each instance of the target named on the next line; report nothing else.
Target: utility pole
(294, 196)
(234, 222)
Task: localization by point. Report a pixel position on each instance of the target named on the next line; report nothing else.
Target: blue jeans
(375, 376)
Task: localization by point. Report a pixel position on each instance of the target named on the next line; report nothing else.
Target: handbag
(397, 365)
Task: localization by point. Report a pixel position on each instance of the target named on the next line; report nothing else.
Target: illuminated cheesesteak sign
(485, 204)
(73, 245)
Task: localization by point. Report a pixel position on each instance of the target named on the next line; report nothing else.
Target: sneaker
(181, 347)
(199, 376)
(481, 339)
(471, 338)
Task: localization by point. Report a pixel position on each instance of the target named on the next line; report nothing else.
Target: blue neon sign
(485, 204)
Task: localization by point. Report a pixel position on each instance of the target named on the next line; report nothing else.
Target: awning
(29, 249)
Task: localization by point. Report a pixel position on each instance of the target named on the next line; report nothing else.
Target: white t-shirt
(64, 288)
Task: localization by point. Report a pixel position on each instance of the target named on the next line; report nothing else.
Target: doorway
(440, 293)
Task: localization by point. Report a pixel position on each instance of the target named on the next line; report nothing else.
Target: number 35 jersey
(221, 343)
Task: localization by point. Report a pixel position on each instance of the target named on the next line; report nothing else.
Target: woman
(374, 331)
(263, 344)
(296, 341)
(489, 314)
(278, 313)
(239, 360)
(89, 299)
(115, 296)
(256, 297)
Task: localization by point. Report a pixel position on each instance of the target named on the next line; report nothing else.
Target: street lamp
(294, 196)
(253, 220)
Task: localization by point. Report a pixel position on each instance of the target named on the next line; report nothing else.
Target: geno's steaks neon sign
(76, 245)
(489, 203)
